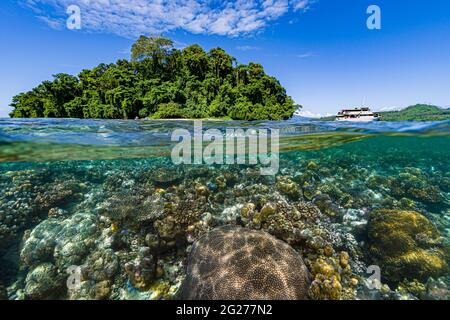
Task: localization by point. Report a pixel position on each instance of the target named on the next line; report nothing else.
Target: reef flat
(128, 228)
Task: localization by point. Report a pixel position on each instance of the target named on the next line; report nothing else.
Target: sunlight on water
(55, 139)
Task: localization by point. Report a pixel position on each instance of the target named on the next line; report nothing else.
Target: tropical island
(161, 82)
(418, 112)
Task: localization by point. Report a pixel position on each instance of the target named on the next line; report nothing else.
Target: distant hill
(418, 112)
(330, 118)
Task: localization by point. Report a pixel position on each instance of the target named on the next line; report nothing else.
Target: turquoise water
(103, 196)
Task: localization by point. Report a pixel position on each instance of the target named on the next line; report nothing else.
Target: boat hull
(358, 119)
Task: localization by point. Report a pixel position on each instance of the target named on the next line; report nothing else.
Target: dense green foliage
(418, 112)
(161, 82)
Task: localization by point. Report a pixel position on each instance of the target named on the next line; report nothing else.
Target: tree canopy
(418, 112)
(161, 81)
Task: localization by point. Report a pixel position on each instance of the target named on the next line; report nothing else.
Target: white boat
(357, 115)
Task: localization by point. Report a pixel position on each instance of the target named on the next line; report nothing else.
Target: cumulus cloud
(130, 18)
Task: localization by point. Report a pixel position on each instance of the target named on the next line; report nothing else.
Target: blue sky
(321, 50)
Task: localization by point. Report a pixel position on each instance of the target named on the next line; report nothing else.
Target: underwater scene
(97, 209)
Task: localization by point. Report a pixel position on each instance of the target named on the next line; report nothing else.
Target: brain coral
(233, 263)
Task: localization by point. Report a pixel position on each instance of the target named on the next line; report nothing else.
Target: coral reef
(406, 245)
(44, 282)
(59, 194)
(164, 177)
(17, 204)
(131, 211)
(413, 183)
(100, 265)
(288, 187)
(130, 225)
(63, 243)
(143, 270)
(236, 263)
(333, 278)
(182, 216)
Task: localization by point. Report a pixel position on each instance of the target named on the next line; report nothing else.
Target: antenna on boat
(363, 102)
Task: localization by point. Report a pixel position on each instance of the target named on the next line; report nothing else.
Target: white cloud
(310, 114)
(393, 108)
(305, 55)
(130, 18)
(51, 22)
(247, 48)
(302, 5)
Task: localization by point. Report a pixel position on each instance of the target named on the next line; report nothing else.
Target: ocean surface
(96, 209)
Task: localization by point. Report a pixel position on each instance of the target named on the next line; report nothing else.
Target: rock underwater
(234, 263)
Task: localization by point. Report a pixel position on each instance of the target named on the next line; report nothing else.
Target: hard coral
(405, 244)
(288, 187)
(236, 263)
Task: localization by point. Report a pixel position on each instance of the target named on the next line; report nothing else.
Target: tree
(221, 63)
(156, 48)
(196, 61)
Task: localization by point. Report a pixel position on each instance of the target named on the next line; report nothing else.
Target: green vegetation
(419, 112)
(161, 82)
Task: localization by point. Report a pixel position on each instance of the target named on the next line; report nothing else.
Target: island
(161, 82)
(418, 112)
